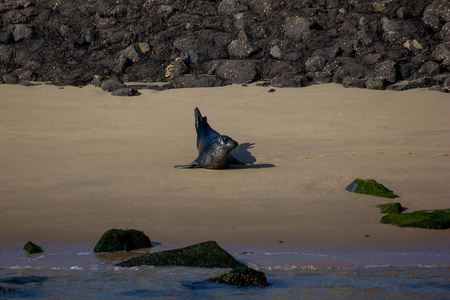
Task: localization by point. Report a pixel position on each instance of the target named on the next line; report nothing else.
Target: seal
(213, 149)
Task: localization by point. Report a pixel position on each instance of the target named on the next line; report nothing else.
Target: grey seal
(213, 149)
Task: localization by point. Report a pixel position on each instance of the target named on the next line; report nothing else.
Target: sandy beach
(76, 162)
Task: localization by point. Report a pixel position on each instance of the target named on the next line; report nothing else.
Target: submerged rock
(32, 248)
(115, 240)
(429, 219)
(370, 187)
(204, 255)
(242, 276)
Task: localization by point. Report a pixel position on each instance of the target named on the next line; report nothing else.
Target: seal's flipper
(201, 123)
(194, 164)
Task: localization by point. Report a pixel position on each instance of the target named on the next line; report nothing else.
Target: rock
(231, 6)
(439, 88)
(189, 57)
(275, 52)
(10, 79)
(21, 32)
(390, 208)
(242, 276)
(32, 248)
(315, 64)
(71, 44)
(240, 48)
(194, 43)
(177, 68)
(412, 84)
(437, 13)
(125, 92)
(6, 54)
(372, 58)
(189, 81)
(97, 80)
(263, 7)
(444, 34)
(413, 45)
(353, 82)
(130, 53)
(112, 84)
(204, 255)
(370, 187)
(142, 48)
(428, 219)
(296, 27)
(442, 54)
(115, 240)
(386, 70)
(280, 81)
(236, 71)
(430, 68)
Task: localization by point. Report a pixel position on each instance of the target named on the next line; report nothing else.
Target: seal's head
(226, 142)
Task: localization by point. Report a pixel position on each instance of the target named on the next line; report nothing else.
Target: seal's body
(213, 149)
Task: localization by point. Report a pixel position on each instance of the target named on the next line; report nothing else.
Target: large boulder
(204, 255)
(116, 240)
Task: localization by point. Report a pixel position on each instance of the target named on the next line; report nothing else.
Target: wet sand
(76, 162)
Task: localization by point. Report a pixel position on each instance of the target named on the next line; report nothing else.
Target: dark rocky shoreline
(379, 44)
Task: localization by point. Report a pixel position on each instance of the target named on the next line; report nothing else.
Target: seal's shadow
(243, 154)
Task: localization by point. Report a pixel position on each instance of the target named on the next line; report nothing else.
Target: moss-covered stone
(430, 219)
(32, 248)
(370, 187)
(242, 276)
(390, 208)
(115, 240)
(205, 255)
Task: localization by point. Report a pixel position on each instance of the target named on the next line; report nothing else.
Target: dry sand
(78, 161)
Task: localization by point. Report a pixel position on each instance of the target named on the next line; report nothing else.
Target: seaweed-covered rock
(115, 240)
(429, 219)
(370, 187)
(242, 276)
(205, 255)
(390, 208)
(32, 248)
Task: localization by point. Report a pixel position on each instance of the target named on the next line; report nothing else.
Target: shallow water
(81, 274)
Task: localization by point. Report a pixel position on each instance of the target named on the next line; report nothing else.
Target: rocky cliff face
(363, 43)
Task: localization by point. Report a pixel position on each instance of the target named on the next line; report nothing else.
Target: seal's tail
(200, 122)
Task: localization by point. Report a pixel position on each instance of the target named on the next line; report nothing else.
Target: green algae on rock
(429, 219)
(242, 276)
(32, 248)
(370, 187)
(205, 255)
(116, 240)
(390, 208)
